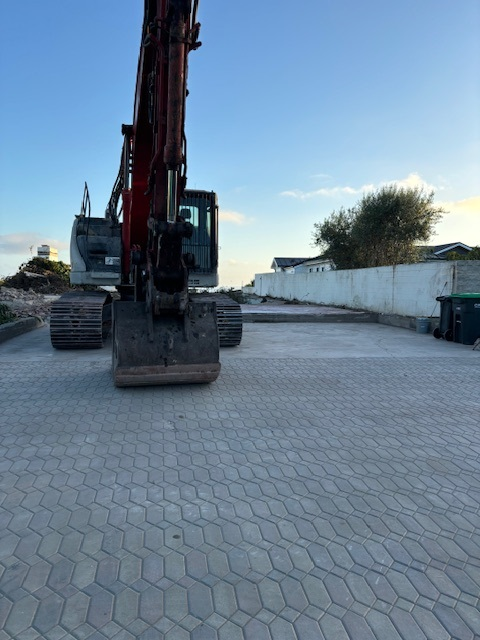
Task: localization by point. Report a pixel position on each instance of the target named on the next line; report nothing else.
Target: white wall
(406, 289)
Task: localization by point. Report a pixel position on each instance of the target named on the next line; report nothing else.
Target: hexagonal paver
(294, 498)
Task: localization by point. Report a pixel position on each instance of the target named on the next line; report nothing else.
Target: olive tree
(334, 238)
(383, 228)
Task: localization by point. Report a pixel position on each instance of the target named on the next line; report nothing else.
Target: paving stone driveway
(299, 498)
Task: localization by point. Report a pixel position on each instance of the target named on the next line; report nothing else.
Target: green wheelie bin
(466, 317)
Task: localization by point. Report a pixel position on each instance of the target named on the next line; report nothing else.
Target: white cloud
(17, 248)
(26, 243)
(322, 176)
(413, 180)
(467, 206)
(234, 217)
(461, 222)
(328, 192)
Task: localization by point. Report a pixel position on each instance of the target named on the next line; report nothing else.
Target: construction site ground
(327, 485)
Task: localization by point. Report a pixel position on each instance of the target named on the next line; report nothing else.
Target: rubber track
(229, 322)
(229, 318)
(77, 320)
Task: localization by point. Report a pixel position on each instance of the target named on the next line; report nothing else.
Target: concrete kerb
(304, 317)
(12, 329)
(406, 322)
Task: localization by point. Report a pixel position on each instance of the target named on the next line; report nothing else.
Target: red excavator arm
(160, 334)
(151, 225)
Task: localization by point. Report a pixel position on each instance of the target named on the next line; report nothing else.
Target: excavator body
(157, 240)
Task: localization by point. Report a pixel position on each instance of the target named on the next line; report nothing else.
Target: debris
(26, 304)
(42, 276)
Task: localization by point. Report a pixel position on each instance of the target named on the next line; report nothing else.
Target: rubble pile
(42, 276)
(26, 304)
(45, 283)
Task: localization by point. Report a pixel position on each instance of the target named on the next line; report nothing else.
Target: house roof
(287, 262)
(440, 251)
(317, 260)
(445, 248)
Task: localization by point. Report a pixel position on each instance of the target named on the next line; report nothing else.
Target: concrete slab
(326, 486)
(313, 341)
(284, 312)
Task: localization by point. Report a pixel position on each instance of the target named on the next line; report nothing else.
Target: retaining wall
(404, 290)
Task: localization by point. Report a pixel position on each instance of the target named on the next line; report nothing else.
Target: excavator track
(229, 322)
(80, 320)
(229, 319)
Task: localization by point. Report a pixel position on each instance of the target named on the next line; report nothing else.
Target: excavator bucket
(170, 349)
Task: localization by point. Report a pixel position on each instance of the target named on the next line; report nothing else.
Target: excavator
(143, 265)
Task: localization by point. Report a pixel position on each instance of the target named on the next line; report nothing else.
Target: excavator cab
(200, 208)
(96, 248)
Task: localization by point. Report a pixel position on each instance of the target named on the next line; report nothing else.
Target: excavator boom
(161, 336)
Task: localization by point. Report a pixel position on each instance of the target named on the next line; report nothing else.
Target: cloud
(468, 206)
(413, 180)
(328, 192)
(461, 222)
(322, 176)
(20, 243)
(234, 217)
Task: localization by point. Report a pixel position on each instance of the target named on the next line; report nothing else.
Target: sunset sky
(295, 109)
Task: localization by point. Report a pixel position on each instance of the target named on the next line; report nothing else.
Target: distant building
(286, 265)
(315, 265)
(47, 252)
(302, 265)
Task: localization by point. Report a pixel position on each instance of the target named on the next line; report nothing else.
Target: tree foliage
(474, 254)
(383, 228)
(334, 235)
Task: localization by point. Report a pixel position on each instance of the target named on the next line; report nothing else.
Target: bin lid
(465, 295)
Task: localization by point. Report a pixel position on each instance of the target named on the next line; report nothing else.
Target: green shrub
(6, 314)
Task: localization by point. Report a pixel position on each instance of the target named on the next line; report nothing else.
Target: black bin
(466, 317)
(445, 328)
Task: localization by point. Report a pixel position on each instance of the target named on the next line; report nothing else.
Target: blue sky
(295, 109)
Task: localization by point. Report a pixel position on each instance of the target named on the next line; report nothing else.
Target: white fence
(406, 289)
